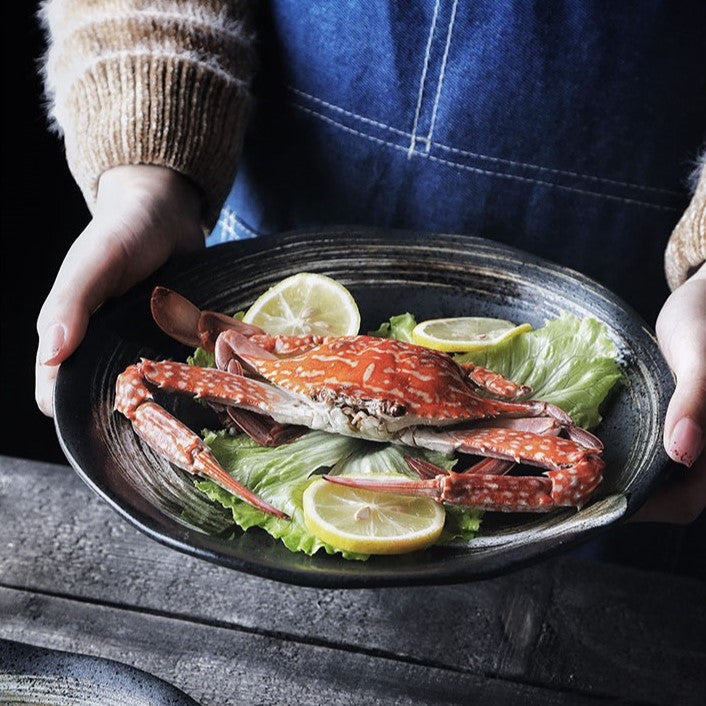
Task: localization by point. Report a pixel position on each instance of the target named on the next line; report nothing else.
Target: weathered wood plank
(566, 623)
(221, 666)
(612, 627)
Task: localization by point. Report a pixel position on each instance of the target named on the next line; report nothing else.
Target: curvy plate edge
(315, 579)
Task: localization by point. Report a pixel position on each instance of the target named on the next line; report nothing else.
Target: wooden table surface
(75, 576)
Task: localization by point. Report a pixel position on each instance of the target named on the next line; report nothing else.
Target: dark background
(43, 211)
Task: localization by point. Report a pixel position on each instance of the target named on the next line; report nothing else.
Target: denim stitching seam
(485, 172)
(412, 143)
(440, 82)
(228, 222)
(551, 170)
(478, 155)
(343, 111)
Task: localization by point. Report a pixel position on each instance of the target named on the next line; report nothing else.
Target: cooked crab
(273, 387)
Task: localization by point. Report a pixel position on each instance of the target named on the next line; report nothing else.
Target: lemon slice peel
(369, 521)
(464, 334)
(306, 303)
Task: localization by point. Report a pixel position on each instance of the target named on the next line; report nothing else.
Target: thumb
(94, 269)
(86, 278)
(681, 331)
(686, 418)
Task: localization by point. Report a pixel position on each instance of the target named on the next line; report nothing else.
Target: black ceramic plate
(388, 273)
(37, 675)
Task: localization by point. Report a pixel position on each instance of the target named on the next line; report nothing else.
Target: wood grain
(221, 666)
(564, 626)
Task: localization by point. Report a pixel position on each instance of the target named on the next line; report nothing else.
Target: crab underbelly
(350, 421)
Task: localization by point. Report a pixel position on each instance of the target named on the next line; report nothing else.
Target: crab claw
(575, 474)
(173, 439)
(487, 466)
(186, 323)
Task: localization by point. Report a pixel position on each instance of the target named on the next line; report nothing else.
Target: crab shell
(398, 377)
(376, 387)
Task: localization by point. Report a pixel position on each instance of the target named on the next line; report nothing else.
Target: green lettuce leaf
(202, 358)
(461, 524)
(281, 475)
(399, 327)
(570, 362)
(374, 457)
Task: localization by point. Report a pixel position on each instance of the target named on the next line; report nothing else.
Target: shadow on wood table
(75, 576)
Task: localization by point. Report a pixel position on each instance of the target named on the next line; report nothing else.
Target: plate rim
(181, 538)
(57, 663)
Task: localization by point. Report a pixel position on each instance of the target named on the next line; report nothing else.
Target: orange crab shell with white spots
(422, 382)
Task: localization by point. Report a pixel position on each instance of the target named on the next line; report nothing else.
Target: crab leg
(487, 492)
(264, 429)
(546, 426)
(488, 466)
(186, 323)
(170, 437)
(575, 471)
(494, 383)
(233, 347)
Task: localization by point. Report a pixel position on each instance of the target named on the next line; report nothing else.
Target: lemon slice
(306, 303)
(370, 521)
(465, 333)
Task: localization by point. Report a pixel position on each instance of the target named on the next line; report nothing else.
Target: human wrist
(151, 188)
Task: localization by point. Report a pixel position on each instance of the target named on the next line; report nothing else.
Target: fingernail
(51, 343)
(687, 441)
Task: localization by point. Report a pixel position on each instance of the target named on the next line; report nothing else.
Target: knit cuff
(686, 249)
(124, 114)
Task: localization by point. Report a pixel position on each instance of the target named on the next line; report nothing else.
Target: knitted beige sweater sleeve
(160, 82)
(686, 250)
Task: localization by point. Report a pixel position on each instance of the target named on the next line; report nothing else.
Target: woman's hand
(681, 332)
(143, 215)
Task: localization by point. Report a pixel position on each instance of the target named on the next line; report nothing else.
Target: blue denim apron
(568, 129)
